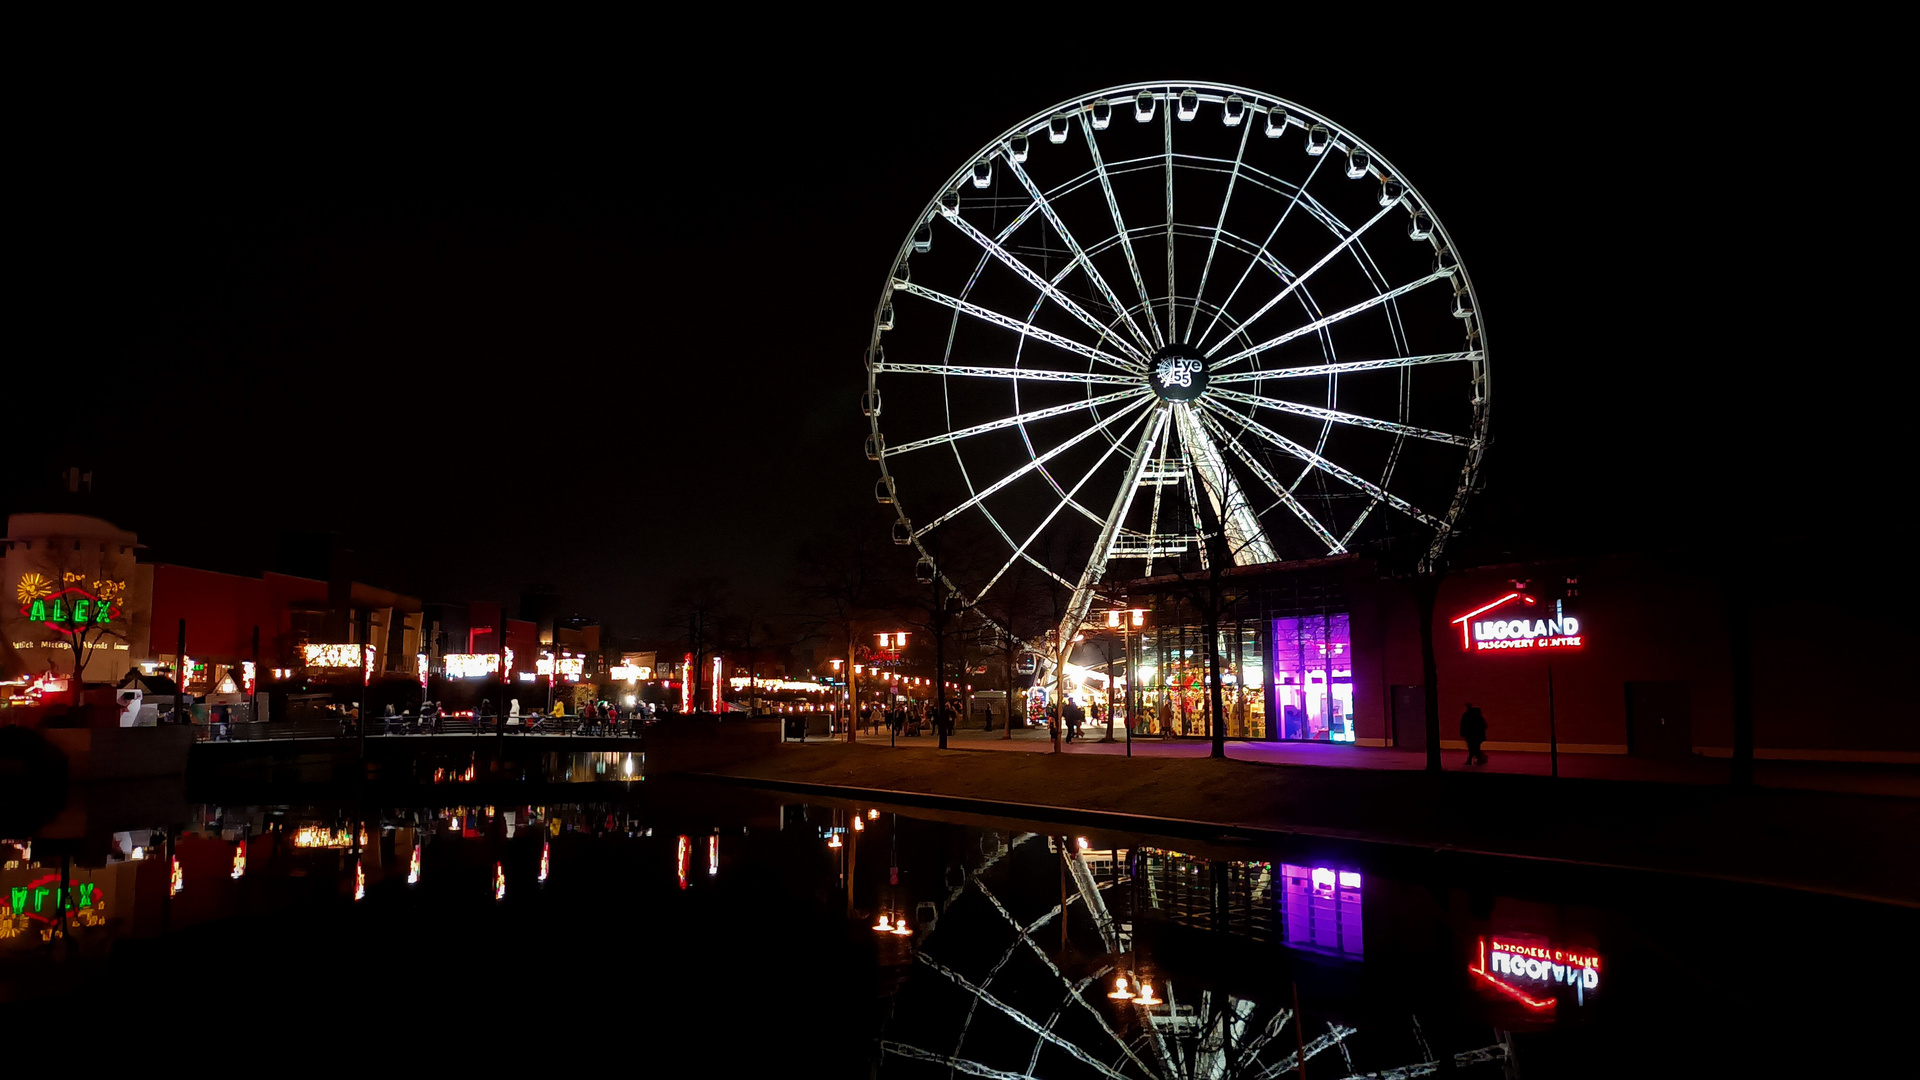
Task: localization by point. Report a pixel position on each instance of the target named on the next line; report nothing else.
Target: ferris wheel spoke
(1206, 268)
(1023, 470)
(1285, 497)
(1329, 320)
(1034, 278)
(1126, 243)
(986, 314)
(1298, 193)
(1307, 371)
(1301, 278)
(1166, 124)
(1021, 551)
(1338, 417)
(1014, 421)
(1321, 463)
(1239, 525)
(1036, 374)
(1082, 598)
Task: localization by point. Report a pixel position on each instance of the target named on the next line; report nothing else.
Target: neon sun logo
(1177, 371)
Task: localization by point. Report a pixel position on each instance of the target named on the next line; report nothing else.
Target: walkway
(1844, 843)
(1837, 776)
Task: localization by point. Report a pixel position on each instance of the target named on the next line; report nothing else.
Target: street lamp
(1125, 620)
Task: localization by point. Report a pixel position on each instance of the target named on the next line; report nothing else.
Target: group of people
(596, 718)
(911, 718)
(1073, 714)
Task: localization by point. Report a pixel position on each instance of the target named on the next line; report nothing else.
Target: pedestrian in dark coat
(1473, 729)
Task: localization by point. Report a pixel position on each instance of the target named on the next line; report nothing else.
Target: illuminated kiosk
(1165, 325)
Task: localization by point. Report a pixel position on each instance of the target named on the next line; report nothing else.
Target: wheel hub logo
(1177, 371)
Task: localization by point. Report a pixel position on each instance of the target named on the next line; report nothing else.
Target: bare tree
(698, 604)
(842, 583)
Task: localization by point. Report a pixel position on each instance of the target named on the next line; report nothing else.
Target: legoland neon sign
(1561, 631)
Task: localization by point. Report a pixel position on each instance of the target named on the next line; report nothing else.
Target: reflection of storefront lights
(499, 882)
(359, 880)
(884, 926)
(834, 841)
(900, 926)
(682, 858)
(873, 815)
(713, 855)
(178, 881)
(1120, 991)
(546, 850)
(859, 825)
(239, 860)
(413, 867)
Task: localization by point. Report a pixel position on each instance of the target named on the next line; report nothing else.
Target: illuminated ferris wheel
(1171, 323)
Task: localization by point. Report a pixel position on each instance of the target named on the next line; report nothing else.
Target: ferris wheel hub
(1177, 373)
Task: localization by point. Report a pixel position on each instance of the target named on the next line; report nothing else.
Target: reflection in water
(955, 949)
(1023, 1006)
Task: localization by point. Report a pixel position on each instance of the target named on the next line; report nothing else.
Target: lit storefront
(1286, 656)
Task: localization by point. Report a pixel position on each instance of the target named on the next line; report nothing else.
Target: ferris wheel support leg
(1247, 541)
(1109, 532)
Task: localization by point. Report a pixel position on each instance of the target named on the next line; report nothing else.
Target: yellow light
(883, 926)
(900, 926)
(1113, 618)
(834, 841)
(859, 826)
(873, 815)
(1120, 991)
(1146, 995)
(1082, 841)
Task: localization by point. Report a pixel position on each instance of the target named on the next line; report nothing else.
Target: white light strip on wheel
(1206, 269)
(1080, 257)
(1040, 374)
(1334, 546)
(1300, 278)
(1015, 325)
(1308, 371)
(1011, 421)
(1033, 278)
(1333, 318)
(1120, 231)
(1323, 464)
(1338, 417)
(1029, 467)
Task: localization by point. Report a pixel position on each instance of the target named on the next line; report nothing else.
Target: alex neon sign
(68, 609)
(1487, 628)
(1534, 972)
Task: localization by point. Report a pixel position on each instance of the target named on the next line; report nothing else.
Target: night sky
(598, 322)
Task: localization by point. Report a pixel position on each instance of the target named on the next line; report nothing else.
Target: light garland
(332, 656)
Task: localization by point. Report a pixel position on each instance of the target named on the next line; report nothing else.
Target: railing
(410, 727)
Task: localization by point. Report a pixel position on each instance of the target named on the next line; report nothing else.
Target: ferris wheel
(1168, 324)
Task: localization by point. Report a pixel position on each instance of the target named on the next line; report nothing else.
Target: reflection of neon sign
(546, 848)
(1562, 631)
(413, 867)
(499, 882)
(239, 860)
(332, 656)
(30, 899)
(1533, 972)
(471, 665)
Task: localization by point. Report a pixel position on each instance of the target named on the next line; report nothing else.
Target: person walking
(1473, 729)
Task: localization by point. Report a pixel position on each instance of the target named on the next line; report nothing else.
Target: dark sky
(507, 317)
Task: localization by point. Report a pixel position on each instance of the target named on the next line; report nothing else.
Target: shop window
(1320, 910)
(1313, 677)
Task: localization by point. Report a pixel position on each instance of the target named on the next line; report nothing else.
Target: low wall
(699, 744)
(118, 753)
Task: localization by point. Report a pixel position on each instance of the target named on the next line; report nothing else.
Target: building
(1611, 654)
(72, 578)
